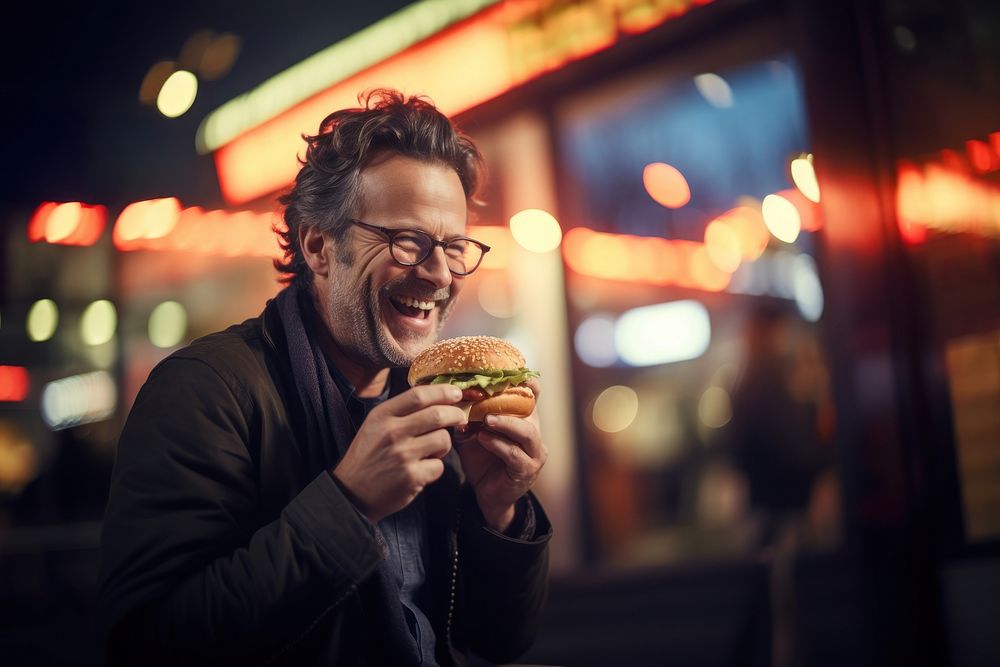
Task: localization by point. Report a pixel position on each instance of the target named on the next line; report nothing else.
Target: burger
(489, 371)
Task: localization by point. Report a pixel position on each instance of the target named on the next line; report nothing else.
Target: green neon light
(365, 48)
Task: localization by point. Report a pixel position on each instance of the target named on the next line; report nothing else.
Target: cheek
(373, 274)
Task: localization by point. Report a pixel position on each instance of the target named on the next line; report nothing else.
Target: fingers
(435, 444)
(522, 431)
(428, 471)
(434, 417)
(420, 397)
(535, 386)
(520, 467)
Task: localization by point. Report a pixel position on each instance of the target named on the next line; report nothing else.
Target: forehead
(400, 191)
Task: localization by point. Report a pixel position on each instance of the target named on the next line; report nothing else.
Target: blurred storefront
(752, 246)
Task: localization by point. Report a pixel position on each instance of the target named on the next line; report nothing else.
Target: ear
(316, 249)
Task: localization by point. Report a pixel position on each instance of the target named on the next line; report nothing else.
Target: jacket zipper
(454, 578)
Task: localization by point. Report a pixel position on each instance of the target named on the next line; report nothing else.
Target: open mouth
(411, 307)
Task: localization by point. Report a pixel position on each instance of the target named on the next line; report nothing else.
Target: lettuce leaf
(490, 381)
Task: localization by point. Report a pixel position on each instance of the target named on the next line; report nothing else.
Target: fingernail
(491, 420)
(454, 393)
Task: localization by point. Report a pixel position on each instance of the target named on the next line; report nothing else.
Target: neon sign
(465, 65)
(947, 192)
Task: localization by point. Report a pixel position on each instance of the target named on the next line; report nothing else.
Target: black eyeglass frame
(391, 234)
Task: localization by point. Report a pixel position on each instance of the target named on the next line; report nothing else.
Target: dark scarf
(329, 432)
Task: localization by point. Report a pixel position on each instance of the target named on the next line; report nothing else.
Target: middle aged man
(280, 495)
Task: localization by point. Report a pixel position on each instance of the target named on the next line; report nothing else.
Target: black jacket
(219, 543)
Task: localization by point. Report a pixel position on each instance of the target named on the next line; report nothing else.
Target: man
(280, 496)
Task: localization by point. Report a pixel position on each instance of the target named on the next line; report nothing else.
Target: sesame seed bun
(466, 354)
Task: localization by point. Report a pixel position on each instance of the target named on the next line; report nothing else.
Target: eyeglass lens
(412, 247)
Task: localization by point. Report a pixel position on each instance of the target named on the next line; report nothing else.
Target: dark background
(73, 126)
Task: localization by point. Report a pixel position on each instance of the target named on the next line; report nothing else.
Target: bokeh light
(98, 323)
(615, 408)
(981, 156)
(781, 218)
(194, 49)
(535, 230)
(642, 259)
(714, 89)
(905, 39)
(177, 94)
(597, 254)
(748, 225)
(149, 219)
(220, 56)
(43, 318)
(715, 407)
(911, 203)
(723, 245)
(595, 340)
(663, 333)
(79, 399)
(807, 288)
(804, 177)
(666, 185)
(705, 274)
(68, 223)
(63, 221)
(18, 459)
(14, 383)
(167, 324)
(154, 80)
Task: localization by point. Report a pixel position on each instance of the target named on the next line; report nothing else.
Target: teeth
(414, 303)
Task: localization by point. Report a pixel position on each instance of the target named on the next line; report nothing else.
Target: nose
(435, 269)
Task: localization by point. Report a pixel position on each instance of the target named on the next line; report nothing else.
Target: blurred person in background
(781, 425)
(280, 495)
(780, 432)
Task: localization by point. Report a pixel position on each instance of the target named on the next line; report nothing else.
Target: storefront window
(695, 305)
(943, 101)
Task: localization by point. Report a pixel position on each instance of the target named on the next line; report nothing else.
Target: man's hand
(502, 461)
(398, 449)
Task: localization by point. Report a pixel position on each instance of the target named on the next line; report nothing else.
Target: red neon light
(162, 225)
(36, 227)
(651, 260)
(67, 223)
(946, 198)
(947, 192)
(144, 221)
(14, 383)
(910, 201)
(981, 157)
(464, 66)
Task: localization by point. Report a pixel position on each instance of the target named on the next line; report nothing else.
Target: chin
(400, 349)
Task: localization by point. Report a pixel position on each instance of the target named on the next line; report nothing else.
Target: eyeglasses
(410, 247)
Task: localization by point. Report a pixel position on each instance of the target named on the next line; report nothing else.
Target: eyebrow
(417, 229)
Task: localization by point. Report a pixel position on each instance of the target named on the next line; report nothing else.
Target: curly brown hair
(326, 190)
